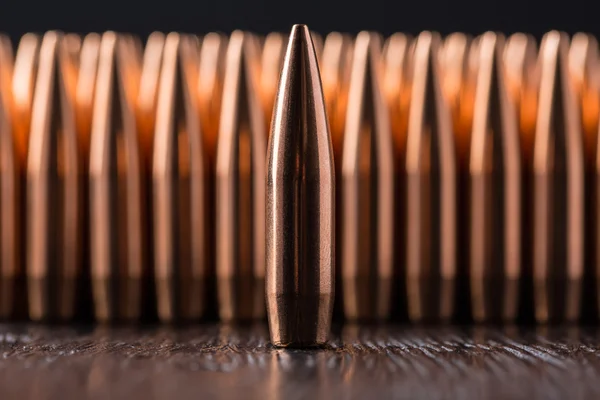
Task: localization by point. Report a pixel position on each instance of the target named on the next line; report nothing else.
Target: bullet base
(181, 300)
(117, 300)
(299, 321)
(557, 300)
(367, 301)
(51, 299)
(430, 299)
(495, 299)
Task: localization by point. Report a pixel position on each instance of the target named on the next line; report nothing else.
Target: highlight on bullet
(558, 166)
(300, 204)
(117, 206)
(431, 190)
(241, 159)
(54, 187)
(367, 190)
(495, 190)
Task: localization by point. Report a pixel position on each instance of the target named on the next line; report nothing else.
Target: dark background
(261, 16)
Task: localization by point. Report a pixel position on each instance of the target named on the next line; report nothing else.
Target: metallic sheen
(300, 212)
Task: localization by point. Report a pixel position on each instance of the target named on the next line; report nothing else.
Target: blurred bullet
(300, 208)
(431, 190)
(396, 89)
(210, 89)
(240, 202)
(584, 75)
(558, 247)
(54, 187)
(495, 190)
(178, 184)
(367, 189)
(335, 65)
(11, 272)
(118, 229)
(318, 44)
(23, 84)
(273, 52)
(148, 93)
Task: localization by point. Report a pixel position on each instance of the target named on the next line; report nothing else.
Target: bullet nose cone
(300, 203)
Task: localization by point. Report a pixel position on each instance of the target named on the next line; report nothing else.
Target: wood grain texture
(221, 362)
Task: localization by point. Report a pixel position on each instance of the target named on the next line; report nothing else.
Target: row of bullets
(465, 173)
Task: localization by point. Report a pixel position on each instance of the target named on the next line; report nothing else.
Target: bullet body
(54, 188)
(179, 168)
(300, 204)
(495, 190)
(558, 167)
(241, 187)
(431, 191)
(117, 205)
(367, 189)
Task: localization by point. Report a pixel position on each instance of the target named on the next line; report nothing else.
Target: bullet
(318, 44)
(210, 89)
(148, 93)
(495, 190)
(23, 84)
(11, 272)
(583, 73)
(396, 89)
(241, 158)
(272, 55)
(335, 64)
(558, 165)
(178, 185)
(117, 226)
(54, 187)
(300, 211)
(431, 190)
(367, 189)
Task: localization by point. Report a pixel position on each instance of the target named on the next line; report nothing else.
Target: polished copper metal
(558, 166)
(241, 160)
(335, 64)
(367, 189)
(431, 190)
(23, 84)
(11, 172)
(495, 190)
(54, 187)
(210, 89)
(179, 169)
(117, 226)
(300, 208)
(273, 52)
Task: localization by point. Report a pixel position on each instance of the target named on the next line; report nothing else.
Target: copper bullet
(367, 189)
(300, 211)
(583, 72)
(241, 158)
(495, 190)
(335, 64)
(54, 187)
(210, 89)
(23, 84)
(558, 248)
(273, 52)
(11, 273)
(117, 226)
(148, 93)
(431, 190)
(318, 44)
(178, 184)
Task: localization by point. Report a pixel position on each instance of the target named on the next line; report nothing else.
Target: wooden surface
(212, 361)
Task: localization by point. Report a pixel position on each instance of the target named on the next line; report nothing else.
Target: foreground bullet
(367, 190)
(54, 187)
(431, 191)
(300, 204)
(558, 164)
(178, 186)
(241, 187)
(118, 230)
(495, 190)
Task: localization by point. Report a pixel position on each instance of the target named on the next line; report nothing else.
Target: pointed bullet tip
(300, 31)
